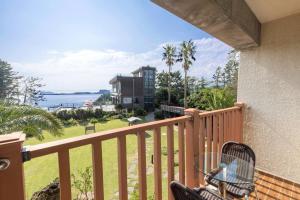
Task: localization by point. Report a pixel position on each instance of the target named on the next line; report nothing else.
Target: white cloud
(90, 70)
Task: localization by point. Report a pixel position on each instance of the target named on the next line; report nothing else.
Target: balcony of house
(199, 138)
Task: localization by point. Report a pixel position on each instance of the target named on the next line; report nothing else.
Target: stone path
(132, 177)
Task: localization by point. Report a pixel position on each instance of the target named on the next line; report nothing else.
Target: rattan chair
(245, 153)
(181, 192)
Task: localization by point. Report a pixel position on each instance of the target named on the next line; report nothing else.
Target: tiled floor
(271, 187)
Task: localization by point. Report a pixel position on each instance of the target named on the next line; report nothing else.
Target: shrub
(212, 98)
(83, 115)
(158, 115)
(70, 122)
(139, 111)
(63, 115)
(93, 121)
(118, 107)
(83, 183)
(80, 114)
(99, 113)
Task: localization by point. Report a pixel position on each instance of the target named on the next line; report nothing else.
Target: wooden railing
(194, 131)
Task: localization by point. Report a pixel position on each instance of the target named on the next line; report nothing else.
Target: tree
(231, 68)
(230, 74)
(186, 56)
(9, 83)
(161, 93)
(223, 79)
(202, 83)
(32, 121)
(211, 99)
(31, 92)
(217, 76)
(169, 55)
(192, 84)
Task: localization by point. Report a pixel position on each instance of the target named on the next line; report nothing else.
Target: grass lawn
(39, 172)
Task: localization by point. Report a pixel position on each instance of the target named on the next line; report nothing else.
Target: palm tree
(32, 121)
(169, 55)
(186, 56)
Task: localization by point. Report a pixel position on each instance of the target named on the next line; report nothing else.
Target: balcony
(198, 134)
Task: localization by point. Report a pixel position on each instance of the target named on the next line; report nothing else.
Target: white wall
(269, 83)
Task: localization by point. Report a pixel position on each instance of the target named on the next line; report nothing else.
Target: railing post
(11, 167)
(192, 147)
(241, 119)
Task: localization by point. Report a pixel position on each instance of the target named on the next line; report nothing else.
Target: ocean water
(79, 99)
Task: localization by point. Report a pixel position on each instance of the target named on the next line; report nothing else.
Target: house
(267, 33)
(135, 91)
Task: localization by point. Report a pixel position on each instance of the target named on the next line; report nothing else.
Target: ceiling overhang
(231, 21)
(269, 10)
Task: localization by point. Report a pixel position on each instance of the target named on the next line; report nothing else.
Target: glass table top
(230, 169)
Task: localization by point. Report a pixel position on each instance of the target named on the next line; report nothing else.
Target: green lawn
(41, 171)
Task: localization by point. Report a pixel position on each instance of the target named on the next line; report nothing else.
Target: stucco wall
(269, 83)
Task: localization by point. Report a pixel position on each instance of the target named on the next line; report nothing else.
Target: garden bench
(90, 128)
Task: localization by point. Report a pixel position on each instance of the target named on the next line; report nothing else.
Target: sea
(77, 99)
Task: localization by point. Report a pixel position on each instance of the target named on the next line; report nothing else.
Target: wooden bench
(90, 128)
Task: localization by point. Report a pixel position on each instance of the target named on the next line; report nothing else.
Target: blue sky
(81, 44)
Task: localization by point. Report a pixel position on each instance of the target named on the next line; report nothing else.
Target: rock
(50, 192)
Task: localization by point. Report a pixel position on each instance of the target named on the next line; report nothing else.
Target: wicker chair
(180, 192)
(244, 152)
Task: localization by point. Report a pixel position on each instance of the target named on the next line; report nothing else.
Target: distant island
(102, 91)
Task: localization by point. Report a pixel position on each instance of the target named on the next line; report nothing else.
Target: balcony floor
(272, 187)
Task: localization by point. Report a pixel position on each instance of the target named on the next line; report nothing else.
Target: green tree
(192, 84)
(186, 56)
(161, 92)
(217, 76)
(31, 92)
(220, 98)
(169, 56)
(211, 99)
(230, 74)
(231, 68)
(202, 83)
(9, 83)
(32, 121)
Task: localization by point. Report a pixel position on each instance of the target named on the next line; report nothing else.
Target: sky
(79, 45)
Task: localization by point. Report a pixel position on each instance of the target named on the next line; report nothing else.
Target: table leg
(222, 189)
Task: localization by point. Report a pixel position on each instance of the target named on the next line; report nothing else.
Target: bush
(99, 113)
(93, 121)
(63, 115)
(139, 111)
(70, 122)
(83, 115)
(158, 115)
(83, 183)
(211, 99)
(118, 107)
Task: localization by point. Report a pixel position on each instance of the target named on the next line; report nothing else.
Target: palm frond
(29, 120)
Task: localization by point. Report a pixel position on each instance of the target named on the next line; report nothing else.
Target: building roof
(119, 77)
(143, 68)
